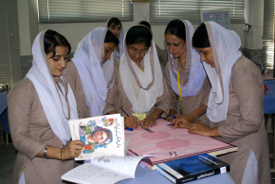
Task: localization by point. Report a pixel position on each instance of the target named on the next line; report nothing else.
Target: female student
(235, 104)
(39, 109)
(185, 75)
(91, 71)
(115, 25)
(139, 84)
(161, 54)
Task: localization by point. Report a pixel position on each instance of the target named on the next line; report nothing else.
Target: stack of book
(192, 168)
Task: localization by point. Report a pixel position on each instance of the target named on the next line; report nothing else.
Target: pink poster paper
(166, 140)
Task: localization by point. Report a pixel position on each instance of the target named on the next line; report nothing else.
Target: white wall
(255, 17)
(74, 32)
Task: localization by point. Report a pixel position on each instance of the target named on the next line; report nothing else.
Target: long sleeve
(246, 95)
(21, 101)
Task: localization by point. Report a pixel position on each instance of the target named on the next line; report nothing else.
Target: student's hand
(131, 122)
(149, 122)
(72, 149)
(201, 129)
(171, 114)
(181, 122)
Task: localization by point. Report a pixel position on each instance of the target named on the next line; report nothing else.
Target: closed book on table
(192, 168)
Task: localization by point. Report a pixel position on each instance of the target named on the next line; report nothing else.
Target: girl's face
(109, 47)
(115, 29)
(137, 51)
(206, 55)
(100, 137)
(176, 45)
(58, 62)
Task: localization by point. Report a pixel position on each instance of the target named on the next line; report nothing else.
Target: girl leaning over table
(39, 109)
(139, 85)
(185, 75)
(235, 104)
(91, 72)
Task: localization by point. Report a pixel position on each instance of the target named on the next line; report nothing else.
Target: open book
(101, 136)
(104, 170)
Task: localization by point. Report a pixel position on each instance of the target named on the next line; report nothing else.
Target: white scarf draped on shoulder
(225, 46)
(141, 87)
(194, 75)
(96, 77)
(51, 98)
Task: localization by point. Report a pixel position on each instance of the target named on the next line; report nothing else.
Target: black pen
(125, 112)
(144, 128)
(127, 128)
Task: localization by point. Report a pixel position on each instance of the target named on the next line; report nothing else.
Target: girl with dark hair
(161, 54)
(139, 84)
(39, 109)
(185, 75)
(115, 25)
(91, 71)
(235, 104)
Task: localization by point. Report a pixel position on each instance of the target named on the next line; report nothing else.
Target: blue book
(192, 168)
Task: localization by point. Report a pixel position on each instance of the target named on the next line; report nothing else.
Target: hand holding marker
(174, 117)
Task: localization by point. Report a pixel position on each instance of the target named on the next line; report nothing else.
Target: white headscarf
(96, 76)
(194, 74)
(141, 88)
(225, 46)
(120, 38)
(49, 94)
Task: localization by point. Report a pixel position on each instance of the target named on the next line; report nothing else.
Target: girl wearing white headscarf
(235, 104)
(185, 75)
(115, 25)
(91, 71)
(139, 84)
(39, 109)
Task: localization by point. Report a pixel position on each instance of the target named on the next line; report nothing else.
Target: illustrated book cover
(192, 168)
(101, 136)
(166, 144)
(104, 170)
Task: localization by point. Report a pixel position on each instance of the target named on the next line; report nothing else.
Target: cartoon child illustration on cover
(94, 136)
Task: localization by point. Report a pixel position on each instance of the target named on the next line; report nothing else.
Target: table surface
(4, 112)
(3, 102)
(269, 99)
(145, 175)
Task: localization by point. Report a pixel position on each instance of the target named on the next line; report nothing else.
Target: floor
(8, 155)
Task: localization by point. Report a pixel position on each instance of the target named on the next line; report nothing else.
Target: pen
(130, 129)
(127, 128)
(147, 129)
(125, 112)
(174, 117)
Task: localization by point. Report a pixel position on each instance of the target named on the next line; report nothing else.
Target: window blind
(268, 34)
(163, 11)
(10, 61)
(72, 11)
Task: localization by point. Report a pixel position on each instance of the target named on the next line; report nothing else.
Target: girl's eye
(176, 44)
(55, 59)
